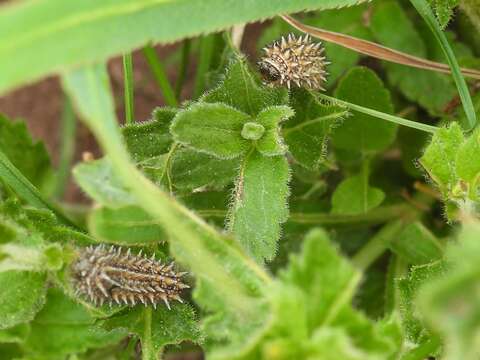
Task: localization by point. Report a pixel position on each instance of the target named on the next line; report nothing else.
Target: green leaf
(311, 273)
(260, 204)
(440, 155)
(71, 327)
(355, 196)
(99, 181)
(28, 156)
(467, 163)
(51, 27)
(22, 295)
(157, 328)
(417, 245)
(450, 304)
(271, 143)
(128, 226)
(15, 334)
(214, 129)
(419, 86)
(443, 10)
(192, 170)
(408, 290)
(308, 132)
(361, 132)
(240, 90)
(151, 138)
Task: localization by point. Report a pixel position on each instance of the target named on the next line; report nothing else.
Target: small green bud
(252, 131)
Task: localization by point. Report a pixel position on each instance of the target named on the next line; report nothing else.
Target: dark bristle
(113, 275)
(296, 61)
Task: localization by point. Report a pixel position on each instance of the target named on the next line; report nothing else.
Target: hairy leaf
(53, 31)
(307, 133)
(151, 138)
(22, 295)
(443, 10)
(240, 90)
(214, 129)
(157, 328)
(260, 204)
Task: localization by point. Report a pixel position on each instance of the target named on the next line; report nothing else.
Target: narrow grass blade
(67, 149)
(207, 45)
(128, 88)
(378, 114)
(160, 75)
(182, 71)
(424, 10)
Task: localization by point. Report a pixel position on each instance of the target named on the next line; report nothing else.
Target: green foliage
(451, 162)
(233, 184)
(361, 132)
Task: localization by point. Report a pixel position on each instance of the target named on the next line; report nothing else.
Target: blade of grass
(207, 44)
(375, 50)
(67, 149)
(378, 114)
(182, 71)
(160, 75)
(424, 10)
(26, 190)
(128, 88)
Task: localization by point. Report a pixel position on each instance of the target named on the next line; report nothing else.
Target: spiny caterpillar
(108, 275)
(294, 60)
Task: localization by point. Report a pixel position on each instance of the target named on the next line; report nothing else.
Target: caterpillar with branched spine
(296, 61)
(108, 275)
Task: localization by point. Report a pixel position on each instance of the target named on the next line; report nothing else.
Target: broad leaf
(29, 156)
(53, 31)
(355, 196)
(214, 129)
(307, 133)
(151, 138)
(99, 181)
(241, 90)
(22, 295)
(71, 327)
(128, 226)
(417, 245)
(260, 204)
(361, 132)
(157, 328)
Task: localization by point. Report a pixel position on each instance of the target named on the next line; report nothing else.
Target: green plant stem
(148, 352)
(67, 149)
(160, 75)
(425, 11)
(128, 88)
(207, 45)
(367, 255)
(26, 190)
(182, 71)
(378, 114)
(375, 216)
